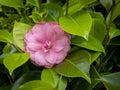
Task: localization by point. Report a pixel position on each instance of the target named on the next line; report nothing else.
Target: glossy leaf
(76, 65)
(107, 4)
(12, 3)
(111, 81)
(98, 33)
(62, 83)
(35, 84)
(13, 61)
(54, 11)
(5, 36)
(43, 88)
(97, 15)
(113, 14)
(19, 31)
(54, 79)
(78, 24)
(92, 43)
(50, 76)
(94, 56)
(94, 76)
(76, 5)
(114, 32)
(116, 11)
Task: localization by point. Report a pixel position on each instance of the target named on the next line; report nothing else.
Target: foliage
(92, 63)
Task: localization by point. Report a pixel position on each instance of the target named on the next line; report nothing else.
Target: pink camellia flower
(47, 43)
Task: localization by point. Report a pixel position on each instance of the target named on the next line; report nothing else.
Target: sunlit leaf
(62, 83)
(36, 17)
(113, 14)
(36, 85)
(50, 76)
(12, 3)
(92, 43)
(98, 33)
(114, 32)
(78, 24)
(76, 5)
(94, 55)
(19, 31)
(13, 61)
(97, 15)
(76, 65)
(5, 36)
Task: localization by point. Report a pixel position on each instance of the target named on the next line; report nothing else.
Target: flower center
(47, 45)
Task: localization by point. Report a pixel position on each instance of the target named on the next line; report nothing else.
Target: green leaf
(58, 2)
(76, 65)
(107, 4)
(62, 83)
(50, 76)
(35, 84)
(76, 5)
(5, 36)
(12, 3)
(111, 81)
(33, 75)
(94, 56)
(98, 33)
(94, 76)
(113, 14)
(92, 43)
(8, 49)
(78, 24)
(53, 10)
(97, 15)
(43, 88)
(114, 32)
(33, 2)
(116, 11)
(36, 17)
(19, 31)
(13, 61)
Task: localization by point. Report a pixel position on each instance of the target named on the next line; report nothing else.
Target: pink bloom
(47, 43)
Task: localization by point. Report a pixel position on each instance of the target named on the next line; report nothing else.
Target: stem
(40, 5)
(17, 48)
(108, 24)
(106, 40)
(67, 6)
